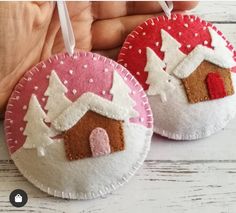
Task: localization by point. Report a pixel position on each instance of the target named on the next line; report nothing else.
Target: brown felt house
(206, 75)
(87, 113)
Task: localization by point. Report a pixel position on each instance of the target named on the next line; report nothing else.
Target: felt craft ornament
(78, 125)
(187, 68)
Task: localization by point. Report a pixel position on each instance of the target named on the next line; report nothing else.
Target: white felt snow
(220, 56)
(197, 56)
(219, 44)
(177, 119)
(89, 101)
(87, 178)
(57, 101)
(121, 94)
(36, 131)
(170, 47)
(158, 80)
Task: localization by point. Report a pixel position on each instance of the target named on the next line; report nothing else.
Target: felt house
(92, 126)
(206, 74)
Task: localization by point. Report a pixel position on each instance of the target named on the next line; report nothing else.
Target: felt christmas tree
(159, 81)
(57, 101)
(36, 131)
(173, 54)
(219, 44)
(121, 94)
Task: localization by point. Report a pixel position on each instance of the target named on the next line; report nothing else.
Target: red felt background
(133, 52)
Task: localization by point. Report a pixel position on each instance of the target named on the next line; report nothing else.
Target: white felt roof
(197, 56)
(88, 101)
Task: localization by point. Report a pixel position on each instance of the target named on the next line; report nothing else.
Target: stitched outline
(106, 189)
(174, 17)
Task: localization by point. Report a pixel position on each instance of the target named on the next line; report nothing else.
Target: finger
(110, 53)
(21, 41)
(106, 37)
(81, 20)
(106, 10)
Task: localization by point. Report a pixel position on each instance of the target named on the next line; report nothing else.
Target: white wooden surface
(197, 176)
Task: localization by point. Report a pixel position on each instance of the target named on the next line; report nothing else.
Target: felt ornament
(187, 68)
(78, 126)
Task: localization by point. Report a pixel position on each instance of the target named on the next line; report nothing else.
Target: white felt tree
(121, 94)
(36, 131)
(173, 55)
(219, 44)
(159, 81)
(57, 101)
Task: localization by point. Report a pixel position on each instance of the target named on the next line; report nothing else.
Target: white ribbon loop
(167, 7)
(66, 28)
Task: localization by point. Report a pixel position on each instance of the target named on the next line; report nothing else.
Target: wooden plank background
(177, 177)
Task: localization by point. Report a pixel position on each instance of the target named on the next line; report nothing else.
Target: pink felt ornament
(65, 115)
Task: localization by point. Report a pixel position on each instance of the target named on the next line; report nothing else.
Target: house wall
(196, 87)
(76, 139)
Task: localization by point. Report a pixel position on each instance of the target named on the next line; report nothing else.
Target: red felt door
(215, 85)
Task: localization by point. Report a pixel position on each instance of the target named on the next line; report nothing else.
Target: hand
(30, 32)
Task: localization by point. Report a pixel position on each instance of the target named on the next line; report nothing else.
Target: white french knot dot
(21, 129)
(188, 46)
(61, 62)
(71, 72)
(144, 33)
(186, 25)
(85, 66)
(65, 82)
(103, 92)
(139, 51)
(24, 107)
(106, 70)
(36, 88)
(91, 80)
(130, 47)
(74, 91)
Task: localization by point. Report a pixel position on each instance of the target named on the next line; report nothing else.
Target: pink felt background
(148, 33)
(79, 80)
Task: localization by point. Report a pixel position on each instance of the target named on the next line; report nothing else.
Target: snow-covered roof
(88, 101)
(197, 56)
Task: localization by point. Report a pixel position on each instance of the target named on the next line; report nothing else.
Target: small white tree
(36, 131)
(57, 101)
(219, 44)
(172, 53)
(159, 81)
(121, 94)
